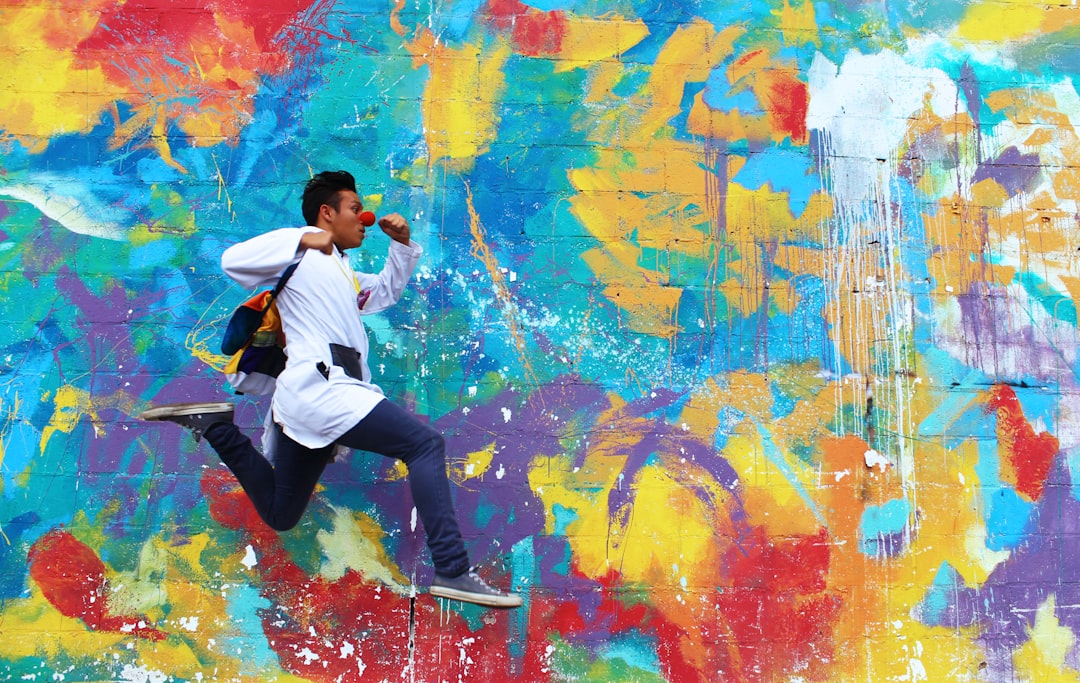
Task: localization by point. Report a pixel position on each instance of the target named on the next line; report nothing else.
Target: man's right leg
(280, 492)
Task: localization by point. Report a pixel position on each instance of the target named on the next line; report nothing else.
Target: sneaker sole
(164, 412)
(476, 598)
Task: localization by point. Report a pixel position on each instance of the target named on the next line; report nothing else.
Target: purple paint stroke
(537, 428)
(1047, 563)
(1015, 171)
(1004, 354)
(118, 372)
(931, 150)
(969, 85)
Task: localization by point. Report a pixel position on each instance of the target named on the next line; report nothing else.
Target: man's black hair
(324, 188)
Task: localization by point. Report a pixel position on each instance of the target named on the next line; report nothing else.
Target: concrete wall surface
(751, 328)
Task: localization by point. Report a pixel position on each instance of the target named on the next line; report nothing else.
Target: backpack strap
(280, 285)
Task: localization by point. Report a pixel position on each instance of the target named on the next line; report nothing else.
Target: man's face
(344, 222)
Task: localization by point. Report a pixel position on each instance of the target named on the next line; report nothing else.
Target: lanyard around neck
(351, 278)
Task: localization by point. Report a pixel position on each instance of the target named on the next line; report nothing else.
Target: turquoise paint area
(20, 445)
(244, 603)
(454, 20)
(880, 524)
(1008, 517)
(1058, 305)
(1006, 513)
(635, 649)
(958, 417)
(1072, 462)
(785, 168)
(940, 595)
(524, 575)
(564, 517)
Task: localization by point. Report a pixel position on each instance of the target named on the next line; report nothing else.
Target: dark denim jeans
(281, 492)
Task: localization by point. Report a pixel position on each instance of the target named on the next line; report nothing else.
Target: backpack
(255, 342)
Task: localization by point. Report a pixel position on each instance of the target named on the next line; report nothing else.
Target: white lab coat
(318, 307)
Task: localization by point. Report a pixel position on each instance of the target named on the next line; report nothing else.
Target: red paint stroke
(535, 33)
(1027, 456)
(72, 579)
(778, 602)
(321, 629)
(175, 25)
(779, 92)
(773, 617)
(196, 66)
(788, 101)
(310, 617)
(313, 622)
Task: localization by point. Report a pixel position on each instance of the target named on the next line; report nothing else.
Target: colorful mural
(752, 328)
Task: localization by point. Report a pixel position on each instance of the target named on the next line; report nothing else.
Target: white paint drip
(862, 110)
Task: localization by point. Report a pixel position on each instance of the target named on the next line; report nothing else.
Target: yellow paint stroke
(483, 252)
(461, 97)
(46, 89)
(358, 542)
(1042, 657)
(798, 24)
(628, 228)
(760, 224)
(71, 405)
(726, 125)
(473, 465)
(688, 56)
(1005, 21)
(670, 535)
(634, 200)
(223, 189)
(588, 40)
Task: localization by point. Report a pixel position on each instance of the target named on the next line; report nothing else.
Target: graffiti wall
(751, 327)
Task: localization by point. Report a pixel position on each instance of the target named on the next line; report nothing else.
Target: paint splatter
(72, 578)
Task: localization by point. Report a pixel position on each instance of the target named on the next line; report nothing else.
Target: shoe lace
(483, 584)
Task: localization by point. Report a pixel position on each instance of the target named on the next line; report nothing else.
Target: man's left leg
(392, 431)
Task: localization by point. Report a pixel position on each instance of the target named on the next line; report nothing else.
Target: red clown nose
(367, 218)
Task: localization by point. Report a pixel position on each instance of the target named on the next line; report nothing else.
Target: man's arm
(386, 288)
(260, 260)
(319, 241)
(396, 227)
